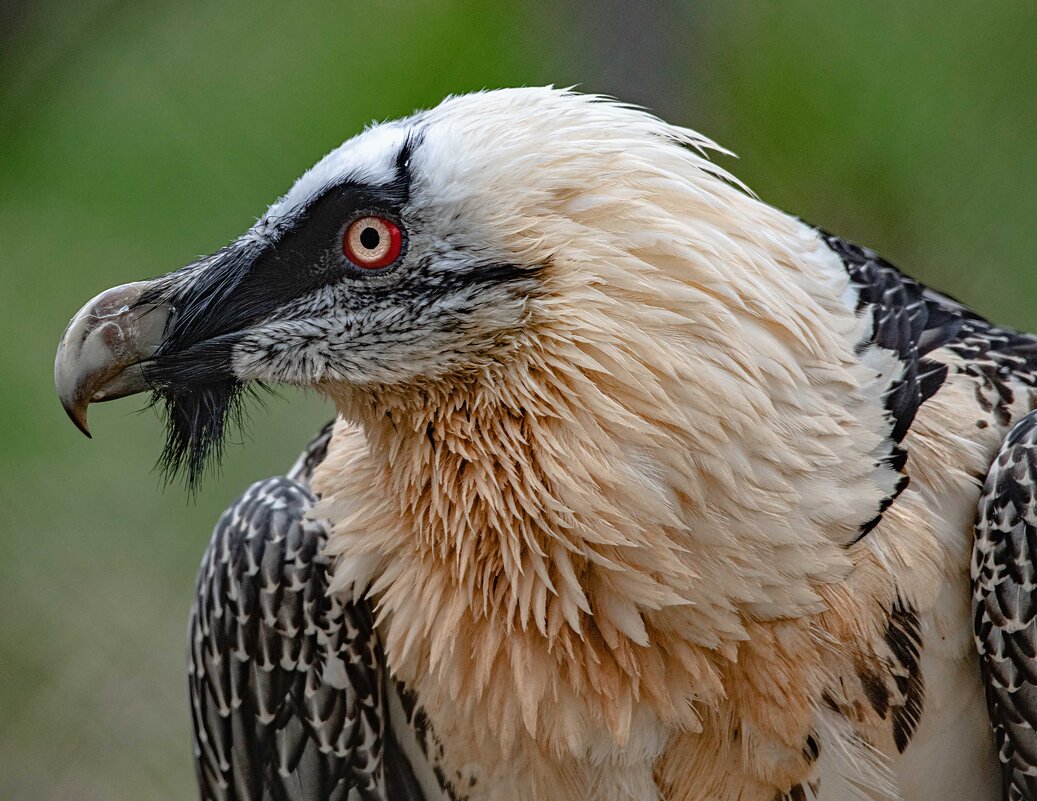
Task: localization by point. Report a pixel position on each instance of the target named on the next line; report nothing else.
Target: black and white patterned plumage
(289, 697)
(914, 321)
(1005, 605)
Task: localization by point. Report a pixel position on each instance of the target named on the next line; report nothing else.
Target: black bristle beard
(198, 422)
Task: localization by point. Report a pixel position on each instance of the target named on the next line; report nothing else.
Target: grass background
(137, 136)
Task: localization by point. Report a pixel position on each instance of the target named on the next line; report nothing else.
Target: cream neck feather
(675, 441)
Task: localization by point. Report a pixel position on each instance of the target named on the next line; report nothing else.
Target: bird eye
(372, 243)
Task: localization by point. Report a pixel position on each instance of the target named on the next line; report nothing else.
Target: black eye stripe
(285, 258)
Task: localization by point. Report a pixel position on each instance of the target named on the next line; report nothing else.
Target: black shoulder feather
(923, 328)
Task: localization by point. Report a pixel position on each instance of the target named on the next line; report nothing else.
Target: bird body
(654, 491)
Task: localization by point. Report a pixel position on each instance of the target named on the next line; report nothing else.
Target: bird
(638, 487)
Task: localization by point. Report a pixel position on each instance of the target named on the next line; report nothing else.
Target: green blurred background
(136, 136)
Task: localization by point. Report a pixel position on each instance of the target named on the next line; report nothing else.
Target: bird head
(478, 249)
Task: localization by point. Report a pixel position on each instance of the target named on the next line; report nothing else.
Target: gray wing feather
(287, 682)
(1004, 604)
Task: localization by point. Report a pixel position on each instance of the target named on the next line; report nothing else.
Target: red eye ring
(372, 242)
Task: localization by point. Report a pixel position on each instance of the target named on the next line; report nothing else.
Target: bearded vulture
(639, 488)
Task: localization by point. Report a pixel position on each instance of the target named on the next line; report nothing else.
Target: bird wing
(1004, 605)
(287, 683)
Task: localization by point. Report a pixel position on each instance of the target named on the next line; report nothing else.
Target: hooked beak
(103, 352)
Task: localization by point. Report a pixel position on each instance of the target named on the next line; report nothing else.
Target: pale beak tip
(77, 414)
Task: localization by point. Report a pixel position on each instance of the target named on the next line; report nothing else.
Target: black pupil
(369, 238)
